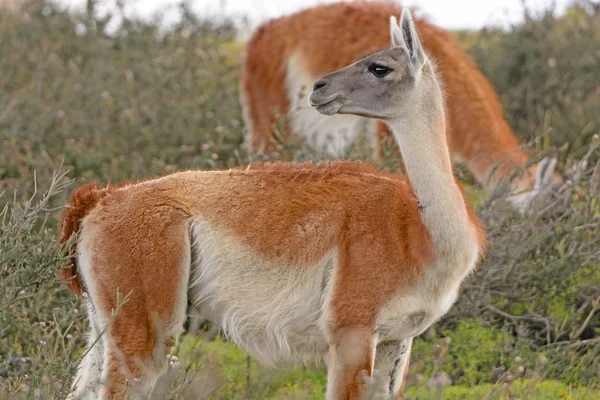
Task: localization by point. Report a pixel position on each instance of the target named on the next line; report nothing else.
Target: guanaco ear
(405, 35)
(396, 33)
(543, 176)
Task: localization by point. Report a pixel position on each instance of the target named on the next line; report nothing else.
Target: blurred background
(105, 91)
(459, 14)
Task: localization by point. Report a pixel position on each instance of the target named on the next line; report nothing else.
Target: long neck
(421, 135)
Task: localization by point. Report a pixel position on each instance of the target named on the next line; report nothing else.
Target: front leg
(351, 357)
(391, 363)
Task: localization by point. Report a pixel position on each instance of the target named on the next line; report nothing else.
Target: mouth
(328, 106)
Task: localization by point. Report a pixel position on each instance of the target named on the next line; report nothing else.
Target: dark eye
(379, 70)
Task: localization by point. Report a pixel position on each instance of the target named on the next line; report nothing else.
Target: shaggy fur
(83, 199)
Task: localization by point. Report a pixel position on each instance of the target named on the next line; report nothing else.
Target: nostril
(319, 84)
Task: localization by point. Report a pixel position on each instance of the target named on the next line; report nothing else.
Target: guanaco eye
(379, 70)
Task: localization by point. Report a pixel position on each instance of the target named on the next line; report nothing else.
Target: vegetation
(78, 104)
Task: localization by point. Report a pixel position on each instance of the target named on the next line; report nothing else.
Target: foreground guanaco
(296, 262)
(284, 56)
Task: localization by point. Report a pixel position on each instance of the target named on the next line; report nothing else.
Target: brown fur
(292, 191)
(83, 199)
(332, 36)
(288, 214)
(126, 226)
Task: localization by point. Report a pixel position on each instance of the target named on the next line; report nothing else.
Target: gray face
(382, 85)
(374, 87)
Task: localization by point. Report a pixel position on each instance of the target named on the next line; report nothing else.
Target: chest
(411, 312)
(410, 315)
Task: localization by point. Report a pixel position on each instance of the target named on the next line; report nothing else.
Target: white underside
(279, 313)
(409, 314)
(274, 312)
(332, 135)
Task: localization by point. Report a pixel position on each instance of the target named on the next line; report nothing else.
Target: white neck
(421, 135)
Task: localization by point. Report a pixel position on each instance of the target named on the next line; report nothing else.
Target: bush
(546, 73)
(40, 332)
(139, 104)
(540, 280)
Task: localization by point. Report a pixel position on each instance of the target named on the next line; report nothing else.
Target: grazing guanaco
(296, 262)
(285, 56)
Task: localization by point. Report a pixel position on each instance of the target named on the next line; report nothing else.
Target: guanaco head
(536, 185)
(382, 85)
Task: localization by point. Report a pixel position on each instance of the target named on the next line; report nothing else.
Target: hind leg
(136, 347)
(139, 291)
(88, 379)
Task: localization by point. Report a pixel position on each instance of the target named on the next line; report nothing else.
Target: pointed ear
(543, 176)
(411, 39)
(396, 33)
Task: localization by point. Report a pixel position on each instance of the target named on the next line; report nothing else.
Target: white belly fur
(333, 135)
(278, 313)
(274, 312)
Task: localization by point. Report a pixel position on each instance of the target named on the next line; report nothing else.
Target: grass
(222, 371)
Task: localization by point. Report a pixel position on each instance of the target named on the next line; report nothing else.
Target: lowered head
(383, 85)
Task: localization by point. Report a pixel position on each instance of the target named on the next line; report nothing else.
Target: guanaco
(284, 56)
(295, 262)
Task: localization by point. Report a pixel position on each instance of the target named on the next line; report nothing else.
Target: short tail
(83, 200)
